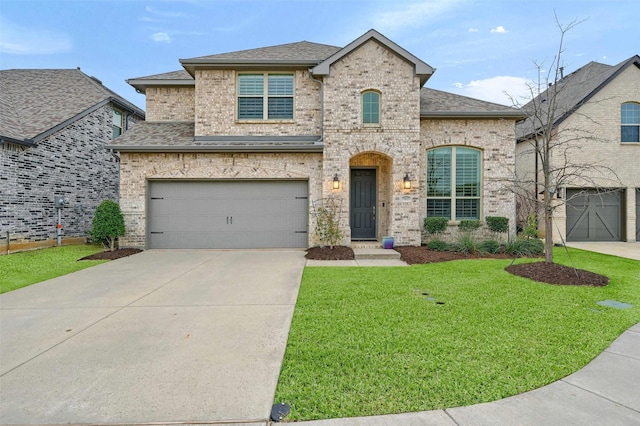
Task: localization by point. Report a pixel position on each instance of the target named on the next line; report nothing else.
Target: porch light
(406, 182)
(336, 182)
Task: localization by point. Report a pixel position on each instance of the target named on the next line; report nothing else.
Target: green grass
(365, 341)
(22, 269)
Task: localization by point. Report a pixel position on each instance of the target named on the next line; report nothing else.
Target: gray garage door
(239, 214)
(594, 217)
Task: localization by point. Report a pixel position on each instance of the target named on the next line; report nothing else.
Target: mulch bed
(419, 255)
(327, 253)
(552, 273)
(112, 255)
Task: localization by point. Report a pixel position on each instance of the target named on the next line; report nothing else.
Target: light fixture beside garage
(406, 182)
(336, 182)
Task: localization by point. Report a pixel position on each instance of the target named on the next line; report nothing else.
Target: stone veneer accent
(215, 108)
(372, 66)
(73, 163)
(170, 104)
(137, 169)
(495, 138)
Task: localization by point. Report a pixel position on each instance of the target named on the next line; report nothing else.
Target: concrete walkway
(620, 249)
(605, 392)
(162, 336)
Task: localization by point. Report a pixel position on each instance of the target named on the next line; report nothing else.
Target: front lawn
(30, 267)
(368, 341)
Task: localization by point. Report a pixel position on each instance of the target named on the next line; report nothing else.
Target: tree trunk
(548, 231)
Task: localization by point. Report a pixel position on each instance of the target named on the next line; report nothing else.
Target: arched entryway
(369, 196)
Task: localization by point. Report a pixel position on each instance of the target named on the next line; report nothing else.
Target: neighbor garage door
(239, 214)
(594, 217)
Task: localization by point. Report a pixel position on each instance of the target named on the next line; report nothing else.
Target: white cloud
(410, 15)
(473, 30)
(161, 37)
(20, 40)
(499, 89)
(499, 29)
(164, 14)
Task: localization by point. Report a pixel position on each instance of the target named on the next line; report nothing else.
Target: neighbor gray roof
(179, 136)
(571, 92)
(438, 104)
(36, 102)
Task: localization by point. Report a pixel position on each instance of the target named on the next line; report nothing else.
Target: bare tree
(551, 146)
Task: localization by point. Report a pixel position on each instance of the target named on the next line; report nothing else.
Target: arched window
(453, 183)
(371, 107)
(630, 122)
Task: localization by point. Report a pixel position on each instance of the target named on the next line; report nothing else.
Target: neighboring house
(54, 125)
(239, 147)
(597, 124)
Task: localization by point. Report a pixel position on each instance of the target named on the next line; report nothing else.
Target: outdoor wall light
(406, 182)
(336, 182)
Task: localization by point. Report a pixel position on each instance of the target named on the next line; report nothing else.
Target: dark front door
(363, 204)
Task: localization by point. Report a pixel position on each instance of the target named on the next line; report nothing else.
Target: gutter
(24, 142)
(220, 148)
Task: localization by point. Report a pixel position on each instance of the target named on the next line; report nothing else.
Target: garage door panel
(594, 216)
(241, 214)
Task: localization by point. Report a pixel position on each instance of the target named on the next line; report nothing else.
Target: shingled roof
(570, 92)
(36, 102)
(179, 136)
(439, 104)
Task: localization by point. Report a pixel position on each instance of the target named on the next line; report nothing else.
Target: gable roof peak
(421, 68)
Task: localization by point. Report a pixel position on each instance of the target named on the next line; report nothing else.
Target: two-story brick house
(596, 154)
(54, 126)
(239, 147)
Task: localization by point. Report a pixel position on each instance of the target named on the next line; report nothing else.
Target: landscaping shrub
(469, 225)
(465, 244)
(107, 224)
(327, 212)
(498, 224)
(525, 247)
(531, 230)
(489, 246)
(435, 225)
(437, 245)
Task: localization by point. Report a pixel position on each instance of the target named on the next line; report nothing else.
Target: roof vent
(95, 79)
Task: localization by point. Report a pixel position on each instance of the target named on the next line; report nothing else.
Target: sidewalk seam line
(599, 396)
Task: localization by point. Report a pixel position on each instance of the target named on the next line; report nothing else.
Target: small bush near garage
(108, 224)
(438, 245)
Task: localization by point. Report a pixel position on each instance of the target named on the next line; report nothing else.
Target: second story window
(630, 122)
(265, 96)
(371, 108)
(117, 123)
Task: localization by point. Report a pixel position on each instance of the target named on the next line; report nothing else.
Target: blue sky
(479, 48)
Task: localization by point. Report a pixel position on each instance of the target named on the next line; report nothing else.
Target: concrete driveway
(162, 336)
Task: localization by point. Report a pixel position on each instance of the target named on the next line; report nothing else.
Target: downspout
(321, 140)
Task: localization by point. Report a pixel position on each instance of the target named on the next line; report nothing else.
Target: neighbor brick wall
(137, 168)
(591, 136)
(73, 163)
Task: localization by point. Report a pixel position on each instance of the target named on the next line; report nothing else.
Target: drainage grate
(615, 304)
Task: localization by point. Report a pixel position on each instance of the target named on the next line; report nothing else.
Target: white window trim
(265, 98)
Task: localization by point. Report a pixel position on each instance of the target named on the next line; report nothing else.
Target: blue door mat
(614, 304)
